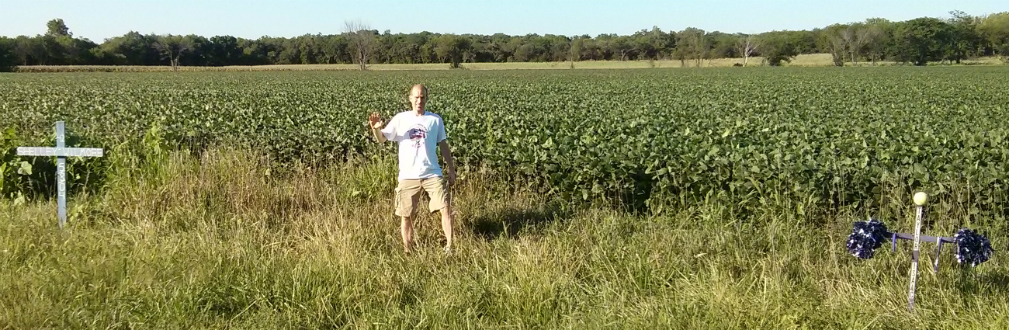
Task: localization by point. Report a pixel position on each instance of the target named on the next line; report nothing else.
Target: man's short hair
(423, 89)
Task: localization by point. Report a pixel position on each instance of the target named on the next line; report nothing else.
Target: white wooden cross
(61, 152)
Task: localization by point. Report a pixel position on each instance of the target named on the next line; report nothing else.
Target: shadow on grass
(510, 222)
(997, 282)
(973, 284)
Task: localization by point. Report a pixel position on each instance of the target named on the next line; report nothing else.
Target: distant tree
(576, 49)
(287, 52)
(777, 47)
(682, 51)
(132, 48)
(622, 45)
(865, 35)
(804, 42)
(721, 45)
(451, 48)
(56, 47)
(747, 46)
(922, 40)
(57, 28)
(77, 51)
(651, 44)
(692, 44)
(995, 31)
(527, 50)
(197, 52)
(223, 50)
(30, 51)
(556, 48)
(851, 40)
(497, 48)
(7, 59)
(850, 36)
(362, 42)
(309, 49)
(53, 51)
(833, 39)
(668, 43)
(172, 47)
(881, 40)
(965, 39)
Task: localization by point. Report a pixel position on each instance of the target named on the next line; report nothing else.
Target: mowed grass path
(215, 241)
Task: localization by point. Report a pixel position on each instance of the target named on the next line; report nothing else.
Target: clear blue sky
(100, 19)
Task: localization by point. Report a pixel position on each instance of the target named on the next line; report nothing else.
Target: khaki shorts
(408, 194)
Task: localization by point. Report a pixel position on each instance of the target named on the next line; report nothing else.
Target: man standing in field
(419, 133)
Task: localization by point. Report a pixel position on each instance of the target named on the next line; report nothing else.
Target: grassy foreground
(218, 241)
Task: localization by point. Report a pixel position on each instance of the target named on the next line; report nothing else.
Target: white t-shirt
(418, 138)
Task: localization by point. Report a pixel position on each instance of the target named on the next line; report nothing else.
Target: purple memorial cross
(971, 248)
(919, 200)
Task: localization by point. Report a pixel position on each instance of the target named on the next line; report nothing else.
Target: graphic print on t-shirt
(417, 134)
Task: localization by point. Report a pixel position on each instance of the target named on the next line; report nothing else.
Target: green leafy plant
(648, 140)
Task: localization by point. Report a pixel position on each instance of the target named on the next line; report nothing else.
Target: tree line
(916, 41)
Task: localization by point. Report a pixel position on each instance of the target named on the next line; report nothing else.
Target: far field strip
(805, 60)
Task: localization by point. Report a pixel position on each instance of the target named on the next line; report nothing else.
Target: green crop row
(651, 137)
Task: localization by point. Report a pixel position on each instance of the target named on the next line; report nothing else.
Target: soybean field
(650, 138)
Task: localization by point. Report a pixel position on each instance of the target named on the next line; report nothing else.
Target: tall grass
(219, 241)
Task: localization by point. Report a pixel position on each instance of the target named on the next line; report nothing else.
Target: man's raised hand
(375, 121)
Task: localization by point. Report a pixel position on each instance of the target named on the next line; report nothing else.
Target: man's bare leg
(446, 225)
(406, 229)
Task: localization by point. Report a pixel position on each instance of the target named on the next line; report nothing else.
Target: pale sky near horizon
(101, 19)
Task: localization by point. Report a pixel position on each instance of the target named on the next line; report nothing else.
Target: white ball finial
(920, 198)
